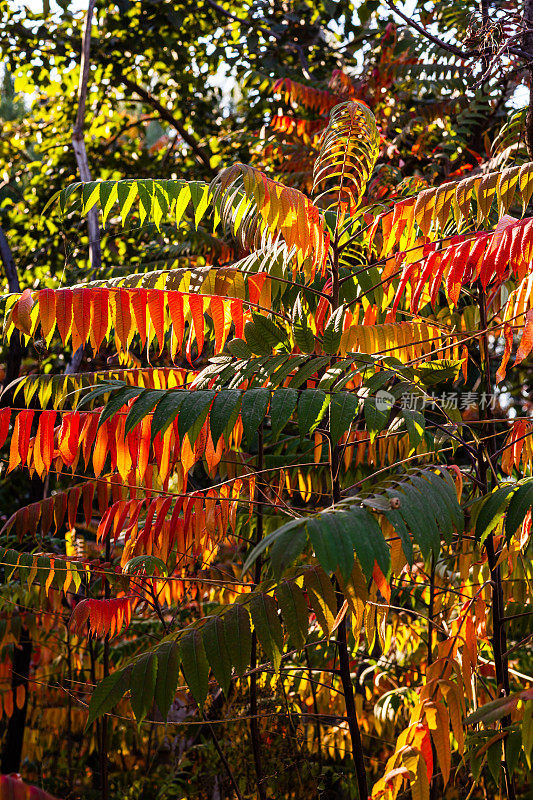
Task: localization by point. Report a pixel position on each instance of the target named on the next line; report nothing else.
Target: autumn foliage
(283, 507)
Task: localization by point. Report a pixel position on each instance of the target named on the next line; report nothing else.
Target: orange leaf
(526, 342)
(100, 317)
(64, 313)
(122, 321)
(138, 303)
(175, 306)
(47, 312)
(217, 315)
(196, 304)
(21, 312)
(68, 437)
(156, 307)
(508, 335)
(20, 439)
(81, 309)
(45, 440)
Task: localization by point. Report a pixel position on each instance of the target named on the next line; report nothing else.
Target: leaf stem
(344, 658)
(254, 724)
(486, 472)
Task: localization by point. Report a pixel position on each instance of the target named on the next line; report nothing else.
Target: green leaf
(306, 371)
(257, 344)
(311, 409)
(494, 760)
(422, 525)
(253, 410)
(117, 401)
(284, 534)
(214, 639)
(436, 503)
(288, 542)
(167, 410)
(342, 411)
(98, 391)
(282, 406)
(375, 419)
(333, 331)
(269, 331)
(416, 425)
(396, 520)
(519, 504)
(368, 541)
(294, 611)
(438, 370)
(239, 348)
(142, 685)
(168, 670)
(302, 333)
(492, 510)
(195, 666)
(322, 597)
(141, 408)
(148, 563)
(496, 709)
(107, 694)
(238, 637)
(222, 410)
(513, 747)
(264, 611)
(195, 404)
(448, 487)
(332, 541)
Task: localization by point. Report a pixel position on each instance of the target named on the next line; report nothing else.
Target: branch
(439, 42)
(201, 154)
(78, 141)
(9, 264)
(242, 21)
(14, 354)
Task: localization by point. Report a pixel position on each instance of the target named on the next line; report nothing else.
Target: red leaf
(5, 416)
(60, 509)
(238, 317)
(88, 494)
(72, 506)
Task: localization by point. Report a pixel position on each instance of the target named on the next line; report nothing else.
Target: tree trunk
(15, 350)
(12, 749)
(527, 46)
